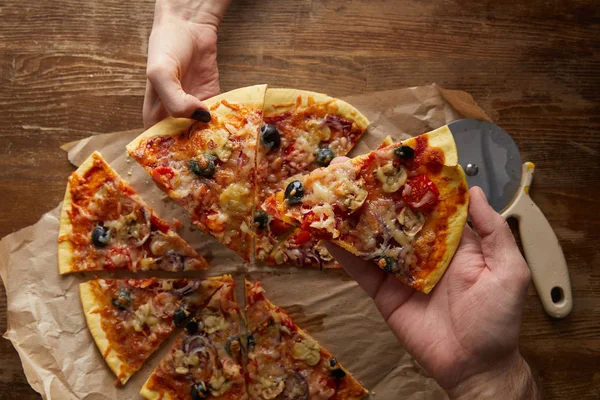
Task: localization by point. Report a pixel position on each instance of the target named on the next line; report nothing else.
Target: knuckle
(154, 72)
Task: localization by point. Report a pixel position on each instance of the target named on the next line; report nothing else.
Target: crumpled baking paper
(46, 322)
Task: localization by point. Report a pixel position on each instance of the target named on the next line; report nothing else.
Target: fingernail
(201, 115)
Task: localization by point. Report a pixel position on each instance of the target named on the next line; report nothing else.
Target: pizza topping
(250, 341)
(404, 152)
(411, 222)
(296, 388)
(274, 390)
(392, 178)
(192, 326)
(219, 145)
(199, 391)
(214, 323)
(203, 166)
(144, 315)
(420, 192)
(123, 299)
(180, 316)
(235, 199)
(269, 137)
(261, 219)
(233, 346)
(135, 225)
(294, 192)
(100, 236)
(386, 263)
(324, 155)
(336, 370)
(307, 350)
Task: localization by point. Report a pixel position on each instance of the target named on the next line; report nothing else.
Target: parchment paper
(46, 323)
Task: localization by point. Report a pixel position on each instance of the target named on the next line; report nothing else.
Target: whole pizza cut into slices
(209, 168)
(403, 206)
(130, 318)
(206, 360)
(105, 225)
(284, 362)
(301, 131)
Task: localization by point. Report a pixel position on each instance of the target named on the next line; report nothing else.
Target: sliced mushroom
(273, 391)
(307, 350)
(354, 195)
(411, 222)
(391, 178)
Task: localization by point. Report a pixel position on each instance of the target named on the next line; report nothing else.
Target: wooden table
(70, 69)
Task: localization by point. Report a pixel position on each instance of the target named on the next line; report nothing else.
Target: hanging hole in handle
(557, 295)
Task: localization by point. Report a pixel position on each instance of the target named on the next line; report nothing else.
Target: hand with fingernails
(182, 59)
(465, 333)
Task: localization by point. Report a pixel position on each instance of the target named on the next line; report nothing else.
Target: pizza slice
(209, 168)
(301, 131)
(105, 225)
(403, 206)
(284, 362)
(299, 246)
(130, 318)
(206, 360)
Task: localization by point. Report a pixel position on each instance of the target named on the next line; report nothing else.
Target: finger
(338, 160)
(177, 102)
(153, 110)
(387, 292)
(497, 242)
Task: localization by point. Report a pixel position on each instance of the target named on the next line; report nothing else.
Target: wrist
(510, 379)
(204, 12)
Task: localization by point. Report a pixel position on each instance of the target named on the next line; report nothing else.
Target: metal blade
(490, 158)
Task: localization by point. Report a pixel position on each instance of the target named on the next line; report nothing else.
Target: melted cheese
(214, 323)
(337, 186)
(144, 315)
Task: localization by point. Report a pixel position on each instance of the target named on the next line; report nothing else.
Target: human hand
(182, 59)
(466, 332)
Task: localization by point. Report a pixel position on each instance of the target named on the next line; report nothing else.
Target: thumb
(177, 102)
(500, 251)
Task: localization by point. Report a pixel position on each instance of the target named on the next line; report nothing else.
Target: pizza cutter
(491, 160)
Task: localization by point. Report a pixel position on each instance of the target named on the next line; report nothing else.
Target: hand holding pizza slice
(403, 206)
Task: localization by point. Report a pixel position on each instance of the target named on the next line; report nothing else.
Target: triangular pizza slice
(284, 362)
(403, 206)
(206, 360)
(130, 318)
(209, 168)
(301, 131)
(105, 225)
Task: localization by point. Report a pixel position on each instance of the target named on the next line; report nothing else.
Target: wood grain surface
(70, 69)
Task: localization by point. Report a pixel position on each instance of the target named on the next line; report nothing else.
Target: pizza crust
(91, 308)
(173, 126)
(279, 100)
(65, 248)
(153, 395)
(451, 192)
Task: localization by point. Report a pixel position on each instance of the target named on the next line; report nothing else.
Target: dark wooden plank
(69, 69)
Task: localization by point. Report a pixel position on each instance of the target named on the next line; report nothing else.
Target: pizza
(301, 131)
(284, 362)
(105, 225)
(403, 206)
(209, 168)
(130, 318)
(206, 360)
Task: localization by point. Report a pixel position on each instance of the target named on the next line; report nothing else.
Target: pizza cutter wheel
(491, 160)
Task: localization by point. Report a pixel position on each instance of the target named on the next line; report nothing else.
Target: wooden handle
(542, 250)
